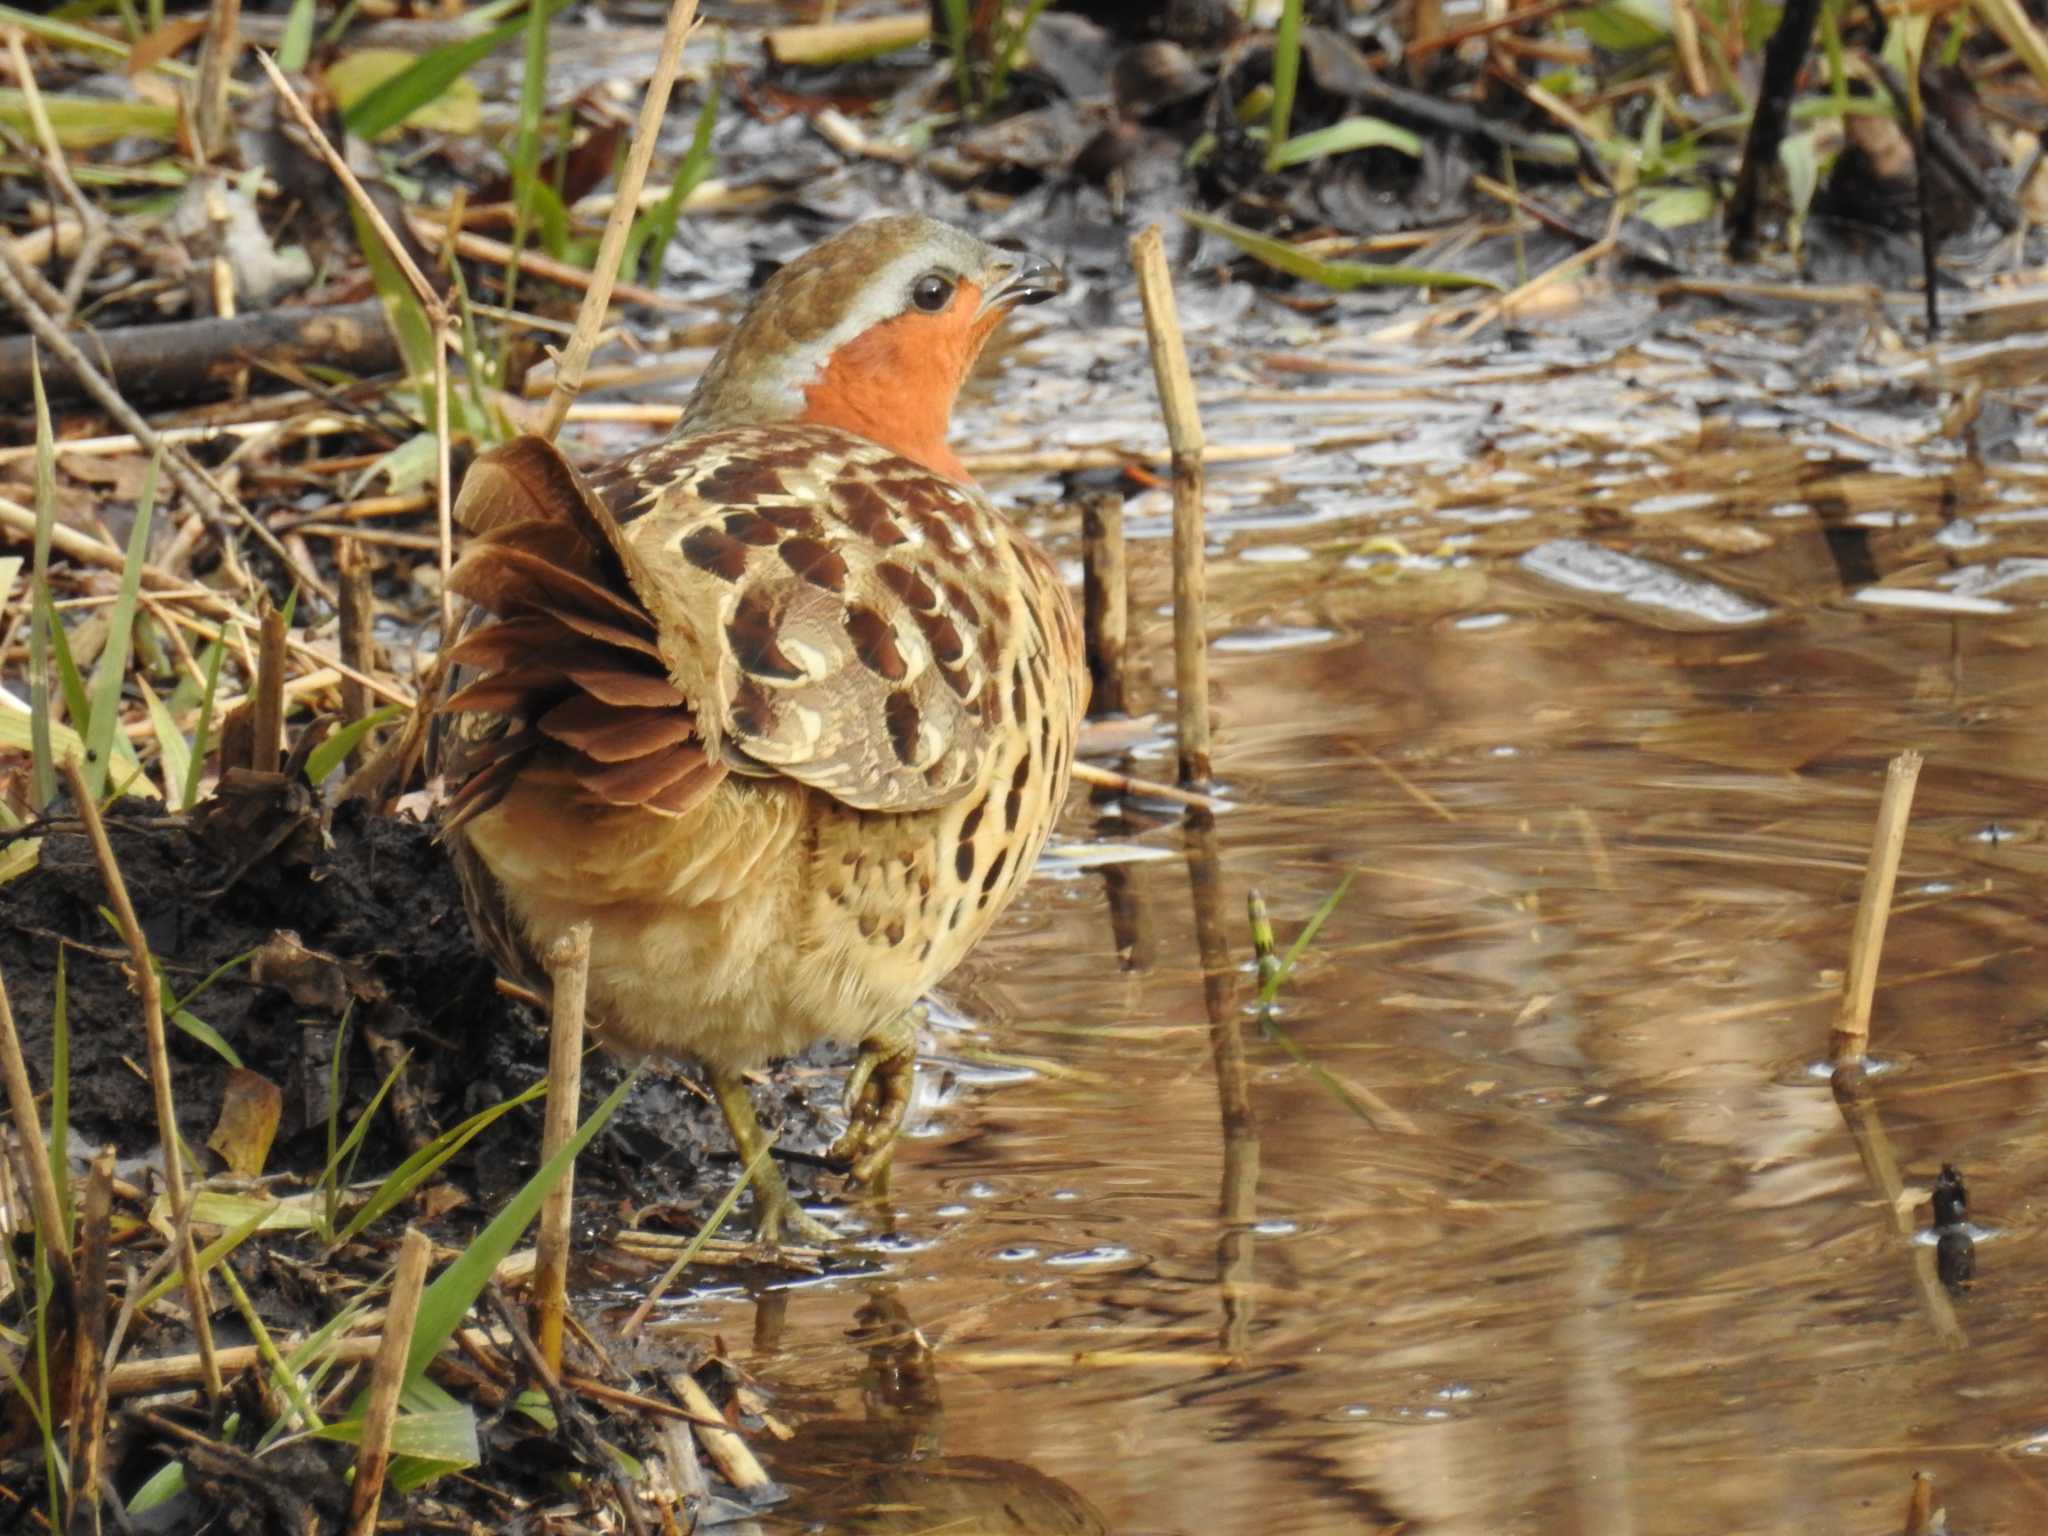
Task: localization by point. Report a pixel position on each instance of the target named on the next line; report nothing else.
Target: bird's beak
(1021, 278)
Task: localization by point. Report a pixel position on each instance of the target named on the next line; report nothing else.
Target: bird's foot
(780, 1220)
(877, 1095)
(777, 1213)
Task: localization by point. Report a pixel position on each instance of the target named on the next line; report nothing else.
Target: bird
(780, 705)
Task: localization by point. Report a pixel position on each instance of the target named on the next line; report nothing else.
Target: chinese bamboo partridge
(780, 705)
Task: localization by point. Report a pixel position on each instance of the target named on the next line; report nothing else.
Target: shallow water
(1606, 1258)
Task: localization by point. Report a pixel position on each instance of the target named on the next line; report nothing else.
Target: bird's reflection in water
(886, 1473)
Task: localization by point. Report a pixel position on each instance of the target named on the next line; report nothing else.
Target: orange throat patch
(895, 383)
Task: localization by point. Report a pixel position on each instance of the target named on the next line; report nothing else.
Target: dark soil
(380, 902)
(375, 898)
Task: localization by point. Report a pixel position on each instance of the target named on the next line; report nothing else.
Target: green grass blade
(202, 733)
(69, 682)
(448, 1300)
(171, 746)
(212, 1254)
(1011, 50)
(1286, 74)
(326, 757)
(88, 122)
(1273, 970)
(414, 1171)
(657, 226)
(1269, 987)
(335, 1174)
(1340, 275)
(405, 93)
(297, 42)
(214, 975)
(176, 1012)
(111, 674)
(1352, 133)
(402, 306)
(526, 144)
(956, 44)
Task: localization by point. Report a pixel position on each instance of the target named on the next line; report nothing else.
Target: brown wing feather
(563, 665)
(839, 613)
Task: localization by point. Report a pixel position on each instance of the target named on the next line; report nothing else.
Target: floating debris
(1955, 1253)
(1930, 602)
(1655, 593)
(1983, 580)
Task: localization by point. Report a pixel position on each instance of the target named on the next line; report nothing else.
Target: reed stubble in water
(1105, 600)
(1184, 435)
(1873, 911)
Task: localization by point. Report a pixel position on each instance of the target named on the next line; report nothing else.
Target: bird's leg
(877, 1094)
(775, 1206)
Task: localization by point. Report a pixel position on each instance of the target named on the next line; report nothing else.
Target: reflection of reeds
(1859, 1111)
(1238, 1202)
(1105, 602)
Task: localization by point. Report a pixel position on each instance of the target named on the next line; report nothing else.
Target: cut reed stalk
(735, 1461)
(1873, 911)
(142, 976)
(387, 1378)
(1105, 599)
(266, 719)
(812, 44)
(1184, 433)
(569, 971)
(358, 637)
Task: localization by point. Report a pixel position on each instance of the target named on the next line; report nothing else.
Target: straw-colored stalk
(142, 976)
(266, 728)
(89, 1359)
(439, 319)
(1184, 434)
(387, 1378)
(1873, 912)
(569, 971)
(44, 1201)
(728, 1452)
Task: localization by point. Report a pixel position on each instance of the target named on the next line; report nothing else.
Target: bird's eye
(932, 292)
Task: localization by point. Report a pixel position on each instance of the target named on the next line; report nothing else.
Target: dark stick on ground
(187, 361)
(1783, 56)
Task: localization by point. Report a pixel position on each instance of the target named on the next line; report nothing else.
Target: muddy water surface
(1606, 1258)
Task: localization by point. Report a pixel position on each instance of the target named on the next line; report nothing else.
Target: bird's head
(874, 331)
